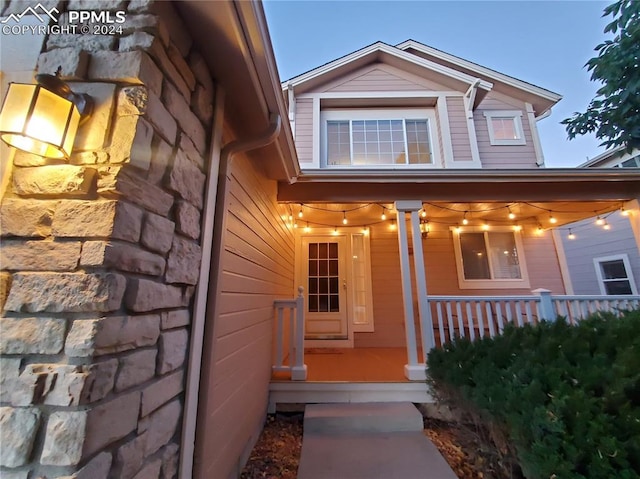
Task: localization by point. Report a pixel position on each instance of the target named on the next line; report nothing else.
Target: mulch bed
(277, 452)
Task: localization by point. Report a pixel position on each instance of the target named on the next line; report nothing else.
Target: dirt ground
(277, 452)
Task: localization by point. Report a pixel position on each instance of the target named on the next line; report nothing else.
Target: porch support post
(426, 323)
(413, 370)
(633, 207)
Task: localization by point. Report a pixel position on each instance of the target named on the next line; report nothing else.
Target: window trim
(516, 115)
(627, 267)
(356, 114)
(464, 283)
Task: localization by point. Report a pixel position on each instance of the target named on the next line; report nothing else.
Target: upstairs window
(614, 275)
(505, 127)
(633, 162)
(378, 138)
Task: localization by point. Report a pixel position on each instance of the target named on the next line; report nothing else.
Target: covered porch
(430, 304)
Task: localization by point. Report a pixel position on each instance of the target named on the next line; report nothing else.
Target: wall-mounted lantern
(425, 228)
(43, 119)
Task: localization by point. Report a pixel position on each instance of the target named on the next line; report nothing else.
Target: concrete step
(356, 418)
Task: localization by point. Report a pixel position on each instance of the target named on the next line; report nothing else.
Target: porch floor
(354, 365)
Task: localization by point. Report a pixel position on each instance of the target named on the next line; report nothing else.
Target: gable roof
(486, 73)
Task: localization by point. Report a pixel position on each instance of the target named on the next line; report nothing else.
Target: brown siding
(459, 129)
(258, 265)
(304, 130)
(442, 279)
(503, 156)
(382, 78)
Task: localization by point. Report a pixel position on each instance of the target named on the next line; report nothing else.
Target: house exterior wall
(101, 255)
(441, 273)
(503, 156)
(591, 242)
(257, 266)
(304, 131)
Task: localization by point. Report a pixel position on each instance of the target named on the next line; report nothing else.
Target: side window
(614, 275)
(505, 127)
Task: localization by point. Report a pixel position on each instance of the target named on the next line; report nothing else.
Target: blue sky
(543, 42)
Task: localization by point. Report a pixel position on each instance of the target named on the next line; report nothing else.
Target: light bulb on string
(458, 229)
(392, 226)
(300, 213)
(539, 229)
(552, 220)
(624, 212)
(465, 221)
(344, 218)
(307, 228)
(571, 235)
(517, 227)
(600, 221)
(485, 226)
(383, 216)
(606, 226)
(512, 215)
(423, 213)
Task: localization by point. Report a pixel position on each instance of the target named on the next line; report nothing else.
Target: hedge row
(566, 397)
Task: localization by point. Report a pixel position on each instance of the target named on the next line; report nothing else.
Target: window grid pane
(338, 143)
(504, 128)
(615, 277)
(323, 280)
(418, 145)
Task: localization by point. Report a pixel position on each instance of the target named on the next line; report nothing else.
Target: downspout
(202, 336)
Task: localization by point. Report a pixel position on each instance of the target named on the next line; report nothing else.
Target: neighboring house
(140, 277)
(602, 254)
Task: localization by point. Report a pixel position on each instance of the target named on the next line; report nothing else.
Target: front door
(325, 277)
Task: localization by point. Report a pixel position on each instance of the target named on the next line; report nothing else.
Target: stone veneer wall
(100, 257)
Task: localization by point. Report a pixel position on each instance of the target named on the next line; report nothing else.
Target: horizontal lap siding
(304, 130)
(381, 78)
(257, 267)
(503, 156)
(459, 129)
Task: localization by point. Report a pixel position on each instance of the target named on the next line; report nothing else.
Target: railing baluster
(279, 337)
(460, 319)
(518, 306)
(529, 314)
(452, 329)
(492, 329)
(440, 323)
(499, 317)
(472, 327)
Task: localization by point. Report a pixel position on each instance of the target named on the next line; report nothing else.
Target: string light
(458, 229)
(600, 221)
(539, 229)
(423, 212)
(307, 228)
(624, 212)
(485, 226)
(606, 226)
(517, 228)
(512, 215)
(552, 220)
(300, 213)
(392, 226)
(383, 216)
(344, 218)
(365, 231)
(571, 235)
(335, 231)
(465, 221)
(295, 224)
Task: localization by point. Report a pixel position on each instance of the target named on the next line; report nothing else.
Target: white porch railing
(478, 316)
(290, 357)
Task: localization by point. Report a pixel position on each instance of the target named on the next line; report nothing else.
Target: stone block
(189, 149)
(152, 45)
(170, 461)
(124, 183)
(66, 432)
(81, 338)
(89, 158)
(22, 158)
(55, 384)
(181, 66)
(187, 180)
(90, 219)
(179, 32)
(160, 426)
(26, 218)
(39, 255)
(97, 468)
(9, 379)
(141, 148)
(93, 134)
(89, 43)
(160, 117)
(172, 351)
(144, 295)
(123, 333)
(202, 104)
(5, 287)
(18, 428)
(161, 392)
(73, 62)
(54, 180)
(130, 457)
(97, 5)
(100, 381)
(32, 335)
(183, 264)
(157, 233)
(126, 67)
(111, 421)
(136, 368)
(21, 474)
(201, 70)
(162, 154)
(188, 220)
(151, 470)
(175, 319)
(180, 108)
(132, 100)
(146, 22)
(122, 256)
(65, 292)
(124, 131)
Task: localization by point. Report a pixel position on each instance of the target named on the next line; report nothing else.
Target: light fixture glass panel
(16, 107)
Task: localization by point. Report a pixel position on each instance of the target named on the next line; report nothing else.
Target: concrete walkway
(368, 441)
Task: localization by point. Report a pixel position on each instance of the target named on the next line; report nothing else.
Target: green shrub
(567, 398)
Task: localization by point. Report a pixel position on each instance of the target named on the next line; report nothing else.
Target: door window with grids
(614, 275)
(378, 138)
(324, 278)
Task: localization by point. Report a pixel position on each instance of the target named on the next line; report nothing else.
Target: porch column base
(299, 373)
(415, 372)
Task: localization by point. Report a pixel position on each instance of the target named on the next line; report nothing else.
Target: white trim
(597, 263)
(494, 75)
(315, 153)
(516, 115)
(392, 51)
(379, 114)
(379, 94)
(445, 134)
(367, 327)
(562, 261)
(491, 283)
(533, 126)
(292, 112)
(471, 128)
